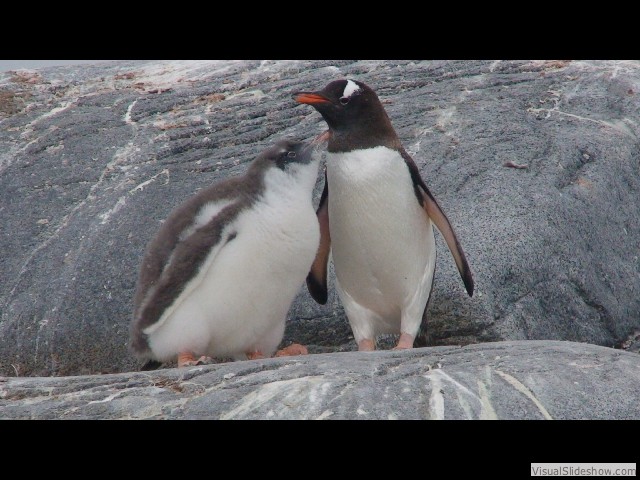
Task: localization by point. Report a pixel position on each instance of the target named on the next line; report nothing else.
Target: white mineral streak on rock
(361, 411)
(106, 216)
(107, 399)
(487, 412)
(325, 414)
(439, 379)
(127, 116)
(164, 75)
(448, 378)
(254, 94)
(514, 382)
(288, 395)
(141, 186)
(465, 405)
(54, 111)
(445, 118)
(436, 401)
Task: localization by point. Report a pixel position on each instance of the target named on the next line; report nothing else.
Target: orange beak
(309, 98)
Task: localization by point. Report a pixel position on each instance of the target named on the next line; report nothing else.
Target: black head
(286, 153)
(354, 114)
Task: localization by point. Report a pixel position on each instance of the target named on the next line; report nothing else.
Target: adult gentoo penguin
(376, 217)
(221, 273)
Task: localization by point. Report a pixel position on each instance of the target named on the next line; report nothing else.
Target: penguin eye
(344, 100)
(291, 154)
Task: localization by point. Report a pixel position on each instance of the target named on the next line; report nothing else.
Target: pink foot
(186, 359)
(404, 342)
(292, 350)
(255, 355)
(366, 345)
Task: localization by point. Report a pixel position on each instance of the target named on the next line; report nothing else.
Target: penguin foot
(366, 345)
(186, 359)
(292, 350)
(255, 355)
(404, 342)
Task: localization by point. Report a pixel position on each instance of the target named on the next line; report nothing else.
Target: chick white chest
(282, 227)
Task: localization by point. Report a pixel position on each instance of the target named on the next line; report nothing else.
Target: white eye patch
(351, 88)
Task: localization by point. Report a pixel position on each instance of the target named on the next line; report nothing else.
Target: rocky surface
(503, 380)
(92, 158)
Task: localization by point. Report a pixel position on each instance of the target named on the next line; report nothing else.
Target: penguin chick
(222, 271)
(377, 220)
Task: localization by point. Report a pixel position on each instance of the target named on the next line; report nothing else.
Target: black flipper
(317, 277)
(441, 221)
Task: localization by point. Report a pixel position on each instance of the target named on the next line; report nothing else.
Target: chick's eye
(344, 100)
(291, 154)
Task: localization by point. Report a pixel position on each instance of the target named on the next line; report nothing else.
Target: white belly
(382, 241)
(239, 300)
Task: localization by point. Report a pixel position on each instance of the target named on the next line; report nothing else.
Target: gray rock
(504, 380)
(92, 158)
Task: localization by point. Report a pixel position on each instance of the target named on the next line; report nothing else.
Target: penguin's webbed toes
(186, 359)
(404, 342)
(366, 345)
(255, 355)
(292, 350)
